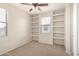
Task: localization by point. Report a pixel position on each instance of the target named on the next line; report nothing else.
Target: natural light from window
(3, 22)
(45, 25)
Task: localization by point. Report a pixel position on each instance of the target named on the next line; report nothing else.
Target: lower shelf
(58, 38)
(59, 42)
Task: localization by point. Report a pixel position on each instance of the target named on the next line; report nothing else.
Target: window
(45, 25)
(3, 22)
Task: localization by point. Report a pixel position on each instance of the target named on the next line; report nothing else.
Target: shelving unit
(35, 28)
(58, 27)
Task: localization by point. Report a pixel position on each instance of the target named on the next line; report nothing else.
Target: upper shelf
(58, 20)
(58, 32)
(35, 17)
(60, 14)
(58, 26)
(58, 38)
(35, 22)
(35, 27)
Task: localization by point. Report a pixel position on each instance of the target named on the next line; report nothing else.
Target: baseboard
(69, 54)
(10, 49)
(35, 40)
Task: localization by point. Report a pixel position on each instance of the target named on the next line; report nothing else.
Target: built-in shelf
(34, 26)
(34, 22)
(60, 14)
(59, 32)
(34, 35)
(35, 32)
(34, 17)
(58, 21)
(59, 26)
(58, 38)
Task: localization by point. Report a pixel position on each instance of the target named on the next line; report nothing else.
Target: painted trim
(75, 29)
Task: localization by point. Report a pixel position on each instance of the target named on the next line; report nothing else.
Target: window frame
(42, 26)
(5, 22)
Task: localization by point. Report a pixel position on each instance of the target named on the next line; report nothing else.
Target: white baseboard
(10, 49)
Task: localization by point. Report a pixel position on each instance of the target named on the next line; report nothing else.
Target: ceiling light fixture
(35, 5)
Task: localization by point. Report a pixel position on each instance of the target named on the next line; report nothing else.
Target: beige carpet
(37, 49)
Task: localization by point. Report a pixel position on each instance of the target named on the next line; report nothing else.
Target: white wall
(19, 29)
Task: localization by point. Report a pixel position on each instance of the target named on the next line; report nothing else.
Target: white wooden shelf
(60, 14)
(59, 32)
(58, 21)
(34, 26)
(35, 32)
(58, 38)
(34, 35)
(59, 26)
(34, 17)
(35, 22)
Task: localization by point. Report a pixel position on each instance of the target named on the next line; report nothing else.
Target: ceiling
(50, 7)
